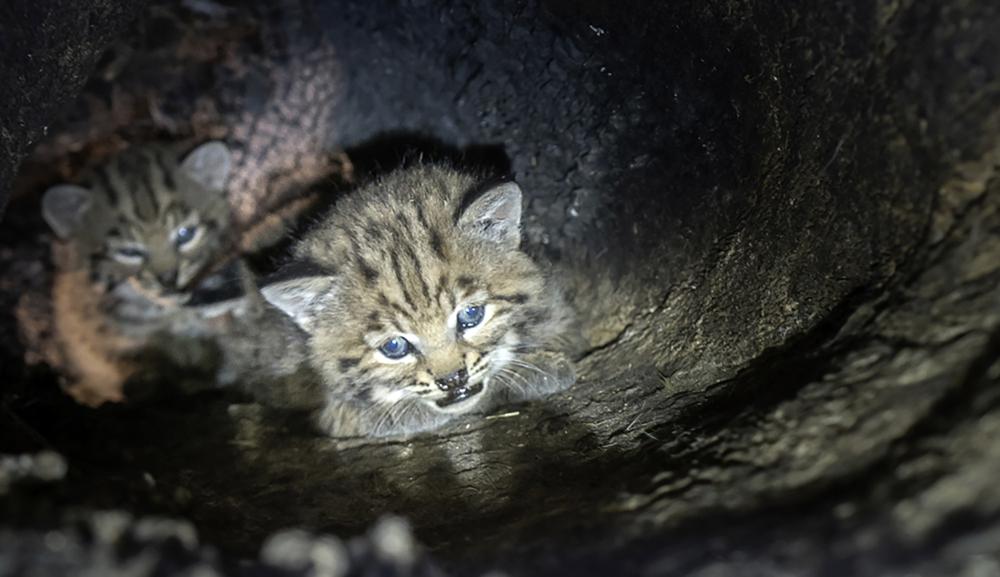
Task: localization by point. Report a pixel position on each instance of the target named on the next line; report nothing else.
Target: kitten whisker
(520, 388)
(382, 413)
(379, 413)
(406, 409)
(532, 367)
(396, 412)
(398, 409)
(507, 383)
(525, 347)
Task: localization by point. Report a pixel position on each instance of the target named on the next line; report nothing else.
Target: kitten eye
(184, 235)
(395, 348)
(470, 316)
(130, 255)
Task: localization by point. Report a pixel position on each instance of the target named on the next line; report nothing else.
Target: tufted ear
(209, 165)
(64, 206)
(495, 215)
(302, 299)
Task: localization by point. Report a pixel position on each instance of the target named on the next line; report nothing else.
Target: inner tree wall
(798, 204)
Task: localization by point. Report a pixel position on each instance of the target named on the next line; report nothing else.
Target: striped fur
(149, 215)
(401, 257)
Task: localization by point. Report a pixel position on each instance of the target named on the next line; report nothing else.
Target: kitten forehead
(397, 242)
(155, 172)
(405, 206)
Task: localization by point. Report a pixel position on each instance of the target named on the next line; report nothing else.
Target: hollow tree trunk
(801, 204)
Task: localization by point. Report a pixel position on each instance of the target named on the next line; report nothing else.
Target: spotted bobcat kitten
(149, 216)
(420, 305)
(132, 240)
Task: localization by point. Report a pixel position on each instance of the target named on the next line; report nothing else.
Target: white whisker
(511, 383)
(532, 367)
(406, 409)
(385, 412)
(506, 382)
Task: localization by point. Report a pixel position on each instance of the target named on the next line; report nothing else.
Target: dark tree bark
(800, 375)
(48, 50)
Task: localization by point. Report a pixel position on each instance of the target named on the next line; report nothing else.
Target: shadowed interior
(792, 209)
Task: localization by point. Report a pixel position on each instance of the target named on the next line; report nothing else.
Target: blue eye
(184, 235)
(395, 348)
(470, 316)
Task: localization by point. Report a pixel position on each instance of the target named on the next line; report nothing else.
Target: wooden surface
(801, 205)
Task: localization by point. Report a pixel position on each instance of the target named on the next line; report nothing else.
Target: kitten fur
(120, 271)
(264, 353)
(401, 258)
(149, 216)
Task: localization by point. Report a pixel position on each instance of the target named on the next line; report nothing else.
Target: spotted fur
(401, 257)
(149, 215)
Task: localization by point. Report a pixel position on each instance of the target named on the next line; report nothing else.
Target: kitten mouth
(171, 297)
(158, 294)
(460, 394)
(175, 295)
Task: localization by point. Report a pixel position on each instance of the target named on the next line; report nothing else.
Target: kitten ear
(209, 165)
(495, 215)
(301, 298)
(64, 206)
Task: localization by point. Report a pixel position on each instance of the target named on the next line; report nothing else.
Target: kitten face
(444, 347)
(147, 215)
(419, 302)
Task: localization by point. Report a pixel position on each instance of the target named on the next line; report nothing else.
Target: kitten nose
(167, 279)
(453, 381)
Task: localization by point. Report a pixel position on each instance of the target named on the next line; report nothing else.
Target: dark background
(798, 203)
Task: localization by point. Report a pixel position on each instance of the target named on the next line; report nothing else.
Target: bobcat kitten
(131, 243)
(149, 217)
(419, 305)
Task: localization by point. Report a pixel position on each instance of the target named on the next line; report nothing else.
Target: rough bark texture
(48, 51)
(802, 206)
